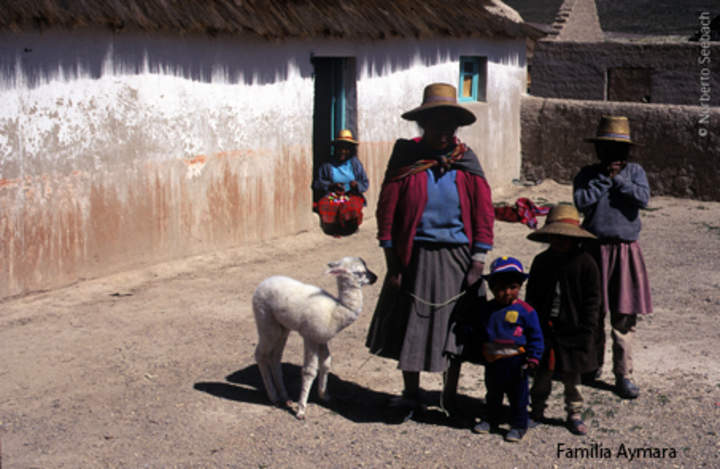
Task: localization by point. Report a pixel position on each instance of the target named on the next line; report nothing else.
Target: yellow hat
(345, 136)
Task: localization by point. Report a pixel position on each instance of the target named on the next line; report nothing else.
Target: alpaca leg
(264, 363)
(309, 371)
(276, 367)
(271, 340)
(324, 361)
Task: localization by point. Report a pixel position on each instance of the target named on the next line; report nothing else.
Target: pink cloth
(524, 211)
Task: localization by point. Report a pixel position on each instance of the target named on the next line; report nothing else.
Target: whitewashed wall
(124, 149)
(390, 84)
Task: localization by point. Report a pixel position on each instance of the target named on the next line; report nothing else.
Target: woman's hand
(394, 269)
(338, 188)
(394, 280)
(475, 273)
(353, 186)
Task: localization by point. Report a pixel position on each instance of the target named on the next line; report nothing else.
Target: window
(473, 78)
(629, 84)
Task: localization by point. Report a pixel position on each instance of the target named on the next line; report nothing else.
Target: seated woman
(342, 182)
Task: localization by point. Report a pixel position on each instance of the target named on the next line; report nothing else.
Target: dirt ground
(154, 368)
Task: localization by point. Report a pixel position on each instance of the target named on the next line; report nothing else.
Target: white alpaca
(282, 304)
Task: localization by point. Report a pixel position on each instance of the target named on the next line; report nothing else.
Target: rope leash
(430, 303)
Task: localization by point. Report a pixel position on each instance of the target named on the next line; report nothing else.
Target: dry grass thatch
(276, 19)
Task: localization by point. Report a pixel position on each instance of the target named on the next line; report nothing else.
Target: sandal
(576, 425)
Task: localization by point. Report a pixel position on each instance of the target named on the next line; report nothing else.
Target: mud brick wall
(582, 70)
(679, 146)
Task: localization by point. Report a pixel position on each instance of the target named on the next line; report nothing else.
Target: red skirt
(340, 214)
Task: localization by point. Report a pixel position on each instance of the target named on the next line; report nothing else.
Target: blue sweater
(611, 207)
(441, 221)
(325, 179)
(512, 330)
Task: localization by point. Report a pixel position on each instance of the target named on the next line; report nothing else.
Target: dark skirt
(626, 289)
(468, 327)
(409, 330)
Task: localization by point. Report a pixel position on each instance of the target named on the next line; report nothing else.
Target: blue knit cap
(507, 264)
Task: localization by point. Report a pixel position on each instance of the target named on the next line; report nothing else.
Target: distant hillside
(650, 17)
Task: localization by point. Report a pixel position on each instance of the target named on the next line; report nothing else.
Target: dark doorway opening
(335, 105)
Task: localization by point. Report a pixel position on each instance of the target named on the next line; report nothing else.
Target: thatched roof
(276, 19)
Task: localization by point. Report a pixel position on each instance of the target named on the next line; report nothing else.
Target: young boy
(564, 286)
(514, 344)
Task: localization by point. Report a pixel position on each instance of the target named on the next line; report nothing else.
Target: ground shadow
(601, 385)
(348, 399)
(362, 405)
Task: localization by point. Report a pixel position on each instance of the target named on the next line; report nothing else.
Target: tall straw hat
(612, 129)
(345, 136)
(440, 96)
(563, 220)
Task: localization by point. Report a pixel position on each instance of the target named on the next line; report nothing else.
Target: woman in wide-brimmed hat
(435, 223)
(341, 182)
(610, 194)
(564, 289)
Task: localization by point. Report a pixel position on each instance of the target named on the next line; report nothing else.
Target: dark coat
(570, 334)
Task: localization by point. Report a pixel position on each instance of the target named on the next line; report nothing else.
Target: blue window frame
(473, 78)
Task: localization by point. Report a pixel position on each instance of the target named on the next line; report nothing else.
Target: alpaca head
(352, 271)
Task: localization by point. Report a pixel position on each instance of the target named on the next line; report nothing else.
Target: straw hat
(345, 136)
(440, 96)
(563, 220)
(612, 129)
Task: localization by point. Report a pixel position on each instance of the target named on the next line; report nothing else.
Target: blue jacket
(512, 330)
(612, 206)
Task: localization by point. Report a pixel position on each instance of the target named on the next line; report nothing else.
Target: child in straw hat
(564, 287)
(610, 195)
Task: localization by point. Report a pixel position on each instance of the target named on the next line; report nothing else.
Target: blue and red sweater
(513, 330)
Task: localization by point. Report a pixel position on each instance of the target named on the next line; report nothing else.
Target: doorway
(335, 105)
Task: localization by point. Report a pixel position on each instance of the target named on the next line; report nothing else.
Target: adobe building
(668, 88)
(134, 132)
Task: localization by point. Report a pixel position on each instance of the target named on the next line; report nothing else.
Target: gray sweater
(611, 206)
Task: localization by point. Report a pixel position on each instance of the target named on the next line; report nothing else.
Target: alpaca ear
(334, 270)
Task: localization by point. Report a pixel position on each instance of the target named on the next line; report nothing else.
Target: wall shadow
(37, 57)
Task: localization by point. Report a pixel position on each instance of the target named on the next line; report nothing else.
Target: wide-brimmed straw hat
(345, 136)
(612, 129)
(563, 220)
(438, 96)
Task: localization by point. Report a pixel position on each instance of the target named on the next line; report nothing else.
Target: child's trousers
(542, 385)
(507, 376)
